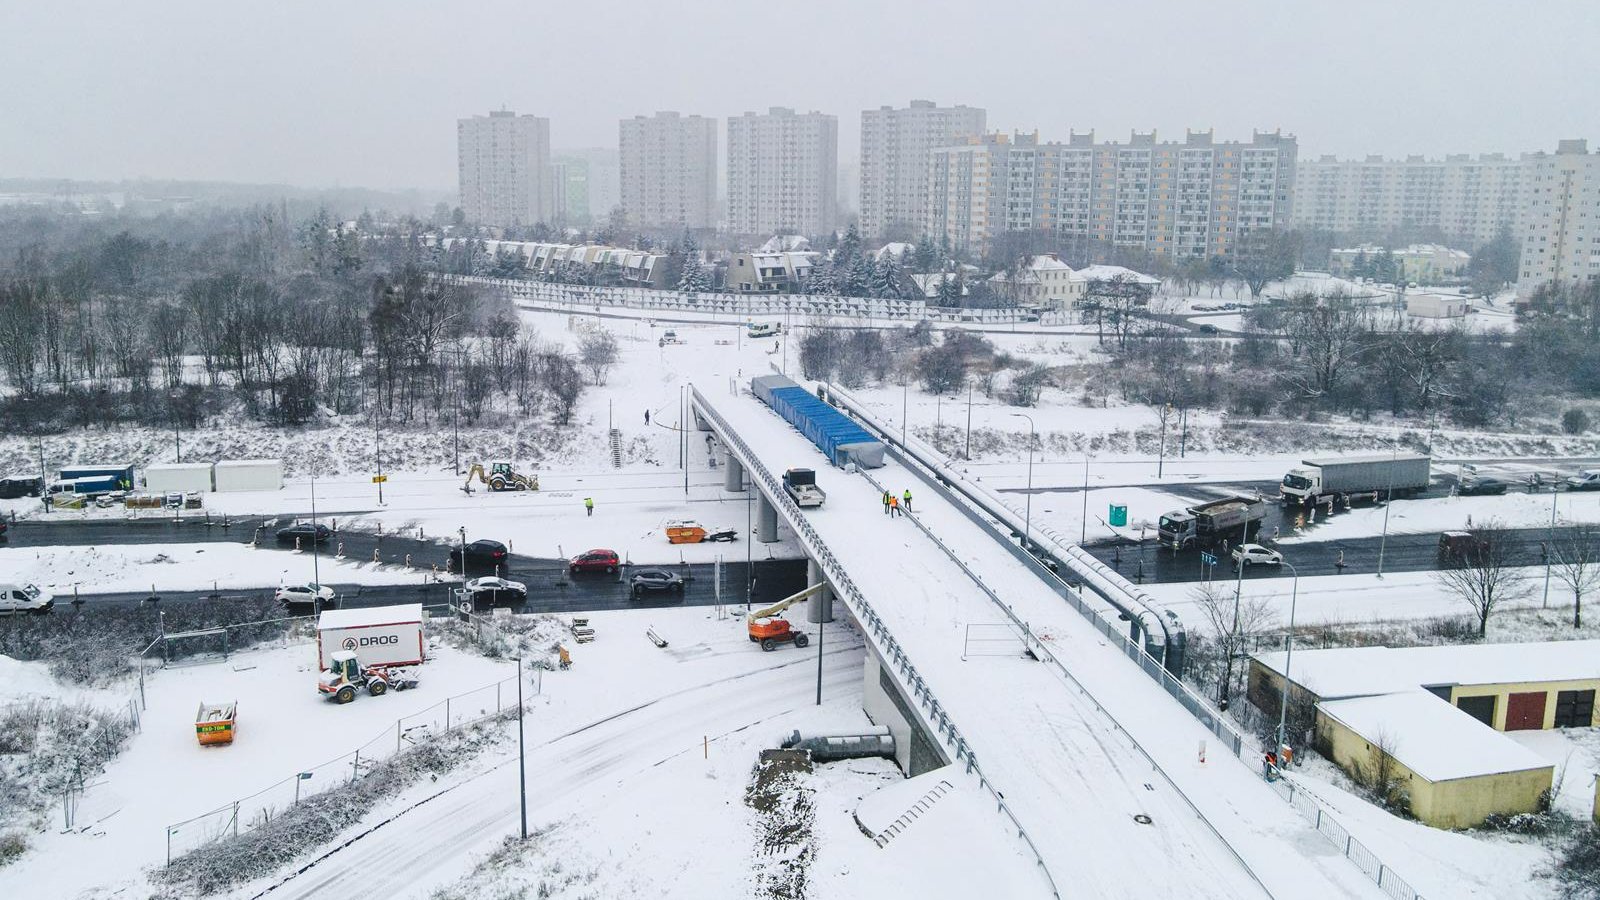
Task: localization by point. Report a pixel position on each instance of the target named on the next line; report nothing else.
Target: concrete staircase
(616, 448)
(916, 811)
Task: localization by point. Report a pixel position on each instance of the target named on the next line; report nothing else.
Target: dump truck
(1351, 478)
(801, 484)
(1207, 524)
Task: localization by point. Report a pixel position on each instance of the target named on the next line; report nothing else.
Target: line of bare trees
(164, 322)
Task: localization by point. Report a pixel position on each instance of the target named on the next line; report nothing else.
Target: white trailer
(249, 475)
(163, 477)
(377, 635)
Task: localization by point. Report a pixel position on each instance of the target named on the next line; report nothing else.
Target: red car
(595, 561)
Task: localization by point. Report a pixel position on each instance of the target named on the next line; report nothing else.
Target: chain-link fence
(450, 714)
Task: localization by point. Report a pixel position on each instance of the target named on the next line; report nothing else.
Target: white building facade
(1561, 217)
(668, 171)
(1469, 199)
(782, 172)
(895, 147)
(503, 163)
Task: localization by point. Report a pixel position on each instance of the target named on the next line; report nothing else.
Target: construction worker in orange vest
(894, 505)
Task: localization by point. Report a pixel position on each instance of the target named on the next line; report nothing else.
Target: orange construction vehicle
(769, 630)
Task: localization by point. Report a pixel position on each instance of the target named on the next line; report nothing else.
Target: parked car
(1480, 486)
(646, 580)
(4, 526)
(484, 555)
(595, 561)
(1255, 554)
(305, 531)
(491, 589)
(1586, 480)
(1209, 328)
(305, 595)
(20, 597)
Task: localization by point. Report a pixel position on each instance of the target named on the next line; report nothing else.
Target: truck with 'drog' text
(1352, 478)
(377, 635)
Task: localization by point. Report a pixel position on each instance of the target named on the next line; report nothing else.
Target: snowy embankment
(111, 569)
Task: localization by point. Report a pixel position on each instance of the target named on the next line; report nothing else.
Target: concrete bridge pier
(732, 474)
(766, 520)
(820, 609)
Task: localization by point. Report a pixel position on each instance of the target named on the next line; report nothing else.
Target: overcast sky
(365, 93)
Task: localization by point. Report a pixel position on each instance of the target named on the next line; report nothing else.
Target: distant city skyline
(317, 95)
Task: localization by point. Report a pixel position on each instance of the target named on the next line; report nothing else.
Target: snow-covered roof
(1431, 737)
(364, 616)
(1108, 273)
(1358, 671)
(930, 283)
(248, 463)
(896, 249)
(176, 467)
(779, 243)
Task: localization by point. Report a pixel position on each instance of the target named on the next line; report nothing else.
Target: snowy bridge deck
(1069, 775)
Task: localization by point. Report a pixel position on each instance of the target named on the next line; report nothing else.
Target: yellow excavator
(500, 477)
(769, 631)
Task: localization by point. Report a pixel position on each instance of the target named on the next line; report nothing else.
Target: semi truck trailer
(1355, 477)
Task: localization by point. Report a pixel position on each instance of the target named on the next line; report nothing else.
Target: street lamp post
(1027, 521)
(969, 420)
(905, 407)
(522, 755)
(316, 575)
(1083, 533)
(1550, 545)
(1288, 643)
(1388, 500)
(377, 448)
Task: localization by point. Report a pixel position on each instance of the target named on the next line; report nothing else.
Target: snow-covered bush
(47, 746)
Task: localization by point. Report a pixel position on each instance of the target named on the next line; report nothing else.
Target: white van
(763, 329)
(17, 597)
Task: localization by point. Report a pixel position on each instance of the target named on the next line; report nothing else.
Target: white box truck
(1356, 477)
(249, 475)
(377, 635)
(163, 477)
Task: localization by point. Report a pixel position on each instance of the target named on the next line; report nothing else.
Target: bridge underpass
(1101, 813)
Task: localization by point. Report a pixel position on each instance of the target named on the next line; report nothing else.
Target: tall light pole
(316, 575)
(1027, 521)
(969, 420)
(522, 755)
(377, 449)
(1083, 534)
(1550, 545)
(1388, 500)
(1288, 643)
(905, 406)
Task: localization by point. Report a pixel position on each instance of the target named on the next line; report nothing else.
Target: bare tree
(1329, 335)
(597, 347)
(1577, 564)
(1481, 573)
(1264, 255)
(1235, 622)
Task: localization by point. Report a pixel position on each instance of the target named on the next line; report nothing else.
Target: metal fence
(1358, 853)
(1242, 749)
(240, 815)
(739, 307)
(935, 717)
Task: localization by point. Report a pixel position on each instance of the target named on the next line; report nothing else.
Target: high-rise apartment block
(1560, 224)
(669, 170)
(569, 181)
(504, 168)
(1188, 200)
(782, 172)
(895, 146)
(1468, 199)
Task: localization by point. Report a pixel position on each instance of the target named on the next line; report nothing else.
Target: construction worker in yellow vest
(906, 500)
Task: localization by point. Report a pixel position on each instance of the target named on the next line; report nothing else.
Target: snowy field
(638, 760)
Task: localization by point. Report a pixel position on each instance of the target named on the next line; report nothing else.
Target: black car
(482, 556)
(1480, 486)
(1208, 328)
(656, 580)
(305, 532)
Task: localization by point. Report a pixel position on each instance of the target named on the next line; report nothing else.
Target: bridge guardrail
(934, 713)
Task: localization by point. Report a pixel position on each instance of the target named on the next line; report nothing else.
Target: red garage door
(1525, 711)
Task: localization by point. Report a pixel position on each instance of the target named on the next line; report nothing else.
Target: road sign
(1119, 516)
(379, 479)
(1207, 558)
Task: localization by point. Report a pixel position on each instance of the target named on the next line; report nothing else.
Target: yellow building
(1443, 766)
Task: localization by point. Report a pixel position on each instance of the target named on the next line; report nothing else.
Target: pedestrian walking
(588, 505)
(647, 417)
(886, 503)
(894, 506)
(906, 501)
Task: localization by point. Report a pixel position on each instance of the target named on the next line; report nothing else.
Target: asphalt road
(550, 590)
